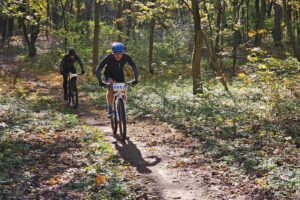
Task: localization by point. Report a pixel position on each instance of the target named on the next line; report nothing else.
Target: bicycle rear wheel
(122, 120)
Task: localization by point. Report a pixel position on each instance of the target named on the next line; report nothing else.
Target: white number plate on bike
(118, 87)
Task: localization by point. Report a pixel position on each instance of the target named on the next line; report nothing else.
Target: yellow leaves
(252, 58)
(262, 67)
(54, 180)
(229, 122)
(294, 4)
(100, 179)
(108, 51)
(251, 34)
(261, 183)
(262, 134)
(242, 76)
(262, 31)
(261, 154)
(179, 163)
(271, 134)
(286, 82)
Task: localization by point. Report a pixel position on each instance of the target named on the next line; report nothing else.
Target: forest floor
(166, 163)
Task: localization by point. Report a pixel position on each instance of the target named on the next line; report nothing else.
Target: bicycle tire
(113, 120)
(122, 120)
(70, 93)
(73, 94)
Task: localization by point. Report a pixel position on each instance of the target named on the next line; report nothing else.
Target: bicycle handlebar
(110, 84)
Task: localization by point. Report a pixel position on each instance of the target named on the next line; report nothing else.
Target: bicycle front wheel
(114, 121)
(70, 93)
(73, 94)
(122, 119)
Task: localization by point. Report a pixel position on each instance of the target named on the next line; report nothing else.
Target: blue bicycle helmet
(117, 47)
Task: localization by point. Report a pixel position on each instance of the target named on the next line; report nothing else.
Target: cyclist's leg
(109, 94)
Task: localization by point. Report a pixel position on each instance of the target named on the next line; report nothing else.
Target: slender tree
(96, 35)
(277, 32)
(261, 9)
(196, 60)
(287, 17)
(151, 42)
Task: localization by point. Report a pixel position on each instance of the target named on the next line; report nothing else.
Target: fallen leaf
(179, 163)
(100, 179)
(54, 180)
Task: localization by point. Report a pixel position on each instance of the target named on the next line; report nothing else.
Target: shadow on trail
(131, 154)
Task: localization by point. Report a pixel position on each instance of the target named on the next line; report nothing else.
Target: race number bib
(119, 87)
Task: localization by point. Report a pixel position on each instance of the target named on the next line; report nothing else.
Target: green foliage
(45, 62)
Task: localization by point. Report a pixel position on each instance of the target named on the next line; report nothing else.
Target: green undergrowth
(32, 124)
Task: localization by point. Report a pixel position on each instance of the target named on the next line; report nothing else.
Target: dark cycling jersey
(67, 64)
(114, 69)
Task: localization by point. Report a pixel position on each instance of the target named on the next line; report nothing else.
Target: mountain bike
(72, 90)
(118, 118)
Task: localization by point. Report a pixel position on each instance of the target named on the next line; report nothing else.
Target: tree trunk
(4, 29)
(30, 37)
(96, 37)
(236, 35)
(78, 5)
(298, 27)
(119, 19)
(219, 18)
(63, 11)
(54, 14)
(261, 15)
(11, 21)
(129, 22)
(287, 17)
(196, 61)
(217, 67)
(31, 49)
(270, 6)
(277, 32)
(247, 22)
(48, 20)
(88, 17)
(1, 23)
(151, 41)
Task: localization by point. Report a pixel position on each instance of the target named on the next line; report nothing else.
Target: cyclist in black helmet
(114, 64)
(67, 65)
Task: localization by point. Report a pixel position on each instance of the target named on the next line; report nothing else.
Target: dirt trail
(159, 155)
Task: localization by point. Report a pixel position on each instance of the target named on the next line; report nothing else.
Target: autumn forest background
(223, 74)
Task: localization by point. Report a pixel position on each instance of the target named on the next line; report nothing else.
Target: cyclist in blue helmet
(113, 65)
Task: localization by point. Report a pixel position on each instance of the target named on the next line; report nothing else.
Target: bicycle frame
(119, 95)
(72, 89)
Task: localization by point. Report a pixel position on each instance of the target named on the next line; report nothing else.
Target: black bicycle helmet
(72, 51)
